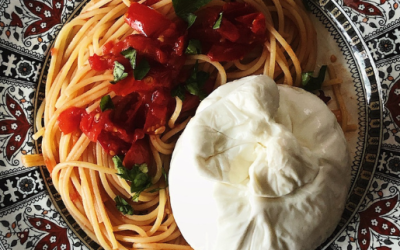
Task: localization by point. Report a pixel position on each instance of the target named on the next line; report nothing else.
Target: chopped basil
(185, 9)
(311, 83)
(196, 81)
(123, 206)
(141, 69)
(194, 47)
(137, 175)
(130, 54)
(217, 23)
(106, 103)
(193, 84)
(190, 19)
(179, 92)
(119, 72)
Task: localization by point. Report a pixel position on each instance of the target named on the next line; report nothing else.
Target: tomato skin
(69, 119)
(145, 20)
(138, 153)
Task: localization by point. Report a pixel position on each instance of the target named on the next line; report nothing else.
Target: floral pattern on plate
(30, 218)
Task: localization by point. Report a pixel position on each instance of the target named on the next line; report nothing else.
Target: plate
(365, 37)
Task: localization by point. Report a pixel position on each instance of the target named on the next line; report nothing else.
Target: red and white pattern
(29, 220)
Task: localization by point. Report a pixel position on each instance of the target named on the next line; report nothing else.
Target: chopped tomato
(242, 28)
(93, 123)
(113, 145)
(228, 51)
(228, 30)
(138, 153)
(148, 47)
(100, 63)
(107, 47)
(69, 119)
(146, 20)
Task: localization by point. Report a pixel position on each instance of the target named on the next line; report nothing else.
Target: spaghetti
(83, 171)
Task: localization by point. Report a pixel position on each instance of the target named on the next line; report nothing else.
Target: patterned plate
(361, 34)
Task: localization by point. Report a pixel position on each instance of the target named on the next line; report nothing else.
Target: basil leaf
(179, 92)
(190, 18)
(217, 23)
(311, 83)
(123, 206)
(137, 175)
(130, 54)
(184, 7)
(194, 47)
(119, 72)
(141, 70)
(106, 103)
(196, 81)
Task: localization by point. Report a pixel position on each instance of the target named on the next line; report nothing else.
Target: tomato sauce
(141, 106)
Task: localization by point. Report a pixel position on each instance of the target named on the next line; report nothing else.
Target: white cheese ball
(260, 166)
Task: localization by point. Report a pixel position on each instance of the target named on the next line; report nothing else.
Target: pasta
(84, 173)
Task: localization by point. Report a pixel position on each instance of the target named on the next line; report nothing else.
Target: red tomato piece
(98, 63)
(69, 119)
(93, 123)
(146, 46)
(113, 145)
(138, 153)
(259, 26)
(227, 52)
(228, 30)
(155, 118)
(161, 97)
(256, 22)
(242, 28)
(107, 47)
(145, 20)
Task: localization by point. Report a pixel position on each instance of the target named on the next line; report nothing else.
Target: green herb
(185, 9)
(311, 83)
(196, 81)
(190, 19)
(141, 69)
(217, 24)
(194, 47)
(137, 175)
(118, 72)
(179, 92)
(106, 103)
(193, 84)
(130, 54)
(123, 206)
